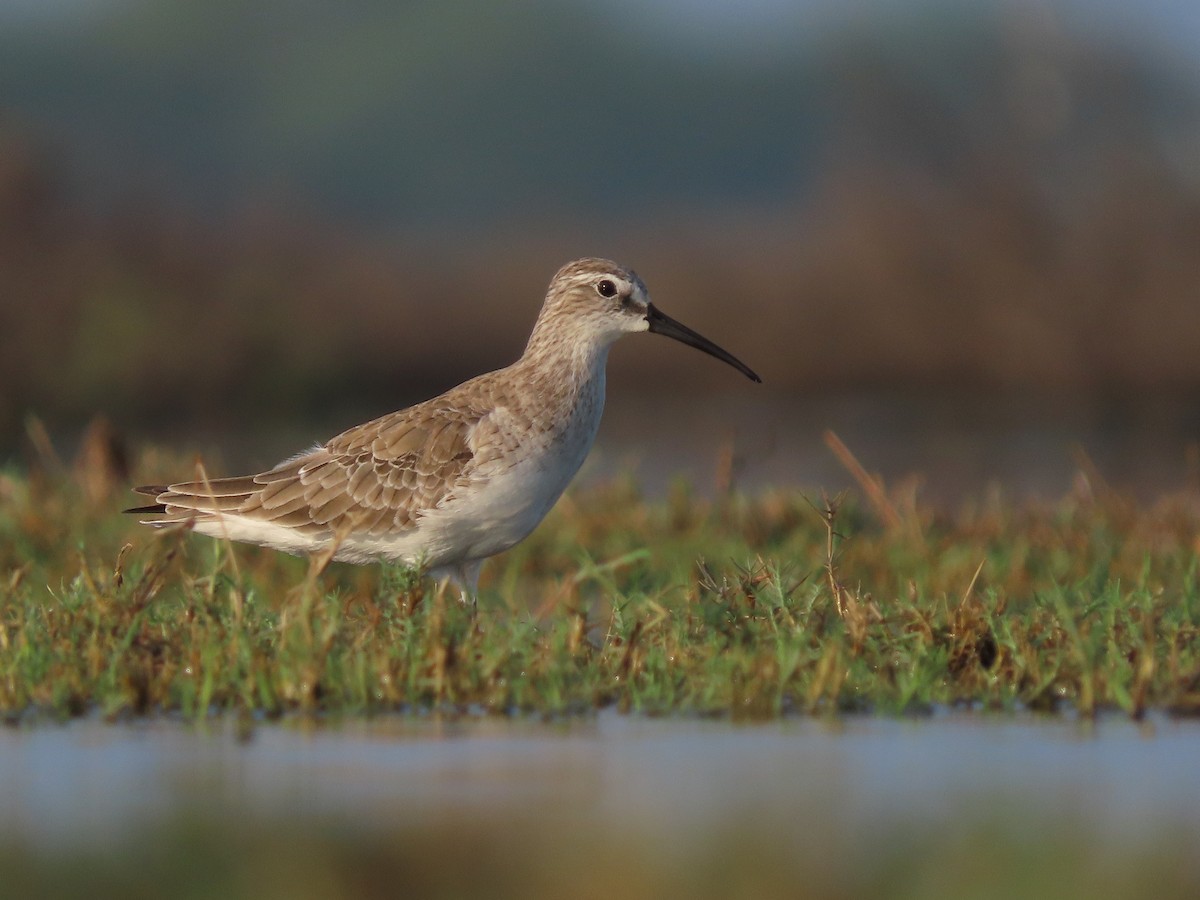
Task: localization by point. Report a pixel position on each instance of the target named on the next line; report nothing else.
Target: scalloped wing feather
(375, 478)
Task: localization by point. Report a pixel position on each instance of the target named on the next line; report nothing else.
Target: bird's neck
(564, 356)
(570, 371)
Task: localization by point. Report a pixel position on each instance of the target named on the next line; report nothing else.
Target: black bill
(665, 325)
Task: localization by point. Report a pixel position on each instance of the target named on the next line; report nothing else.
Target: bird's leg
(466, 578)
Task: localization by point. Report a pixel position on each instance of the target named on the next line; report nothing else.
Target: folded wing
(377, 478)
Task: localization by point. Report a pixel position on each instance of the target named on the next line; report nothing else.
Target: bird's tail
(149, 490)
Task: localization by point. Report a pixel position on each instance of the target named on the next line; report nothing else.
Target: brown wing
(375, 478)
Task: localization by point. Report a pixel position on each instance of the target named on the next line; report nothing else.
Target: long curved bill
(660, 323)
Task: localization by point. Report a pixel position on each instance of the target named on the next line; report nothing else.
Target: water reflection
(678, 780)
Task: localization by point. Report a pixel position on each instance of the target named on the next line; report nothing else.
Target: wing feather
(203, 504)
(332, 509)
(370, 497)
(285, 471)
(398, 441)
(215, 487)
(361, 478)
(301, 520)
(323, 494)
(296, 503)
(280, 494)
(373, 479)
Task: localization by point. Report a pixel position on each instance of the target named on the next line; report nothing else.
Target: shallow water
(677, 780)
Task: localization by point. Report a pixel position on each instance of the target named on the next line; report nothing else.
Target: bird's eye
(606, 288)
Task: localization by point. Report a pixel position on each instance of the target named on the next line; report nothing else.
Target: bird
(452, 481)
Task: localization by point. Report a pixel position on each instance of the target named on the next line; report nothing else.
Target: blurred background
(964, 235)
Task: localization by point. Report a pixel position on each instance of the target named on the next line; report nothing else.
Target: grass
(746, 607)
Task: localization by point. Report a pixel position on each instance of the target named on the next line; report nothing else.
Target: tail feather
(216, 496)
(148, 490)
(151, 509)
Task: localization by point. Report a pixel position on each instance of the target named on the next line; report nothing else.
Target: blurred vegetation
(460, 114)
(553, 851)
(749, 607)
(983, 200)
(154, 319)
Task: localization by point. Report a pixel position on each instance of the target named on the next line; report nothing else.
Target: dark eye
(606, 288)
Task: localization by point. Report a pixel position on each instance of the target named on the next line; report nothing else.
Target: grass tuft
(745, 607)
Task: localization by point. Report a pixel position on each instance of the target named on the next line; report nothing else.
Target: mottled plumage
(453, 480)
